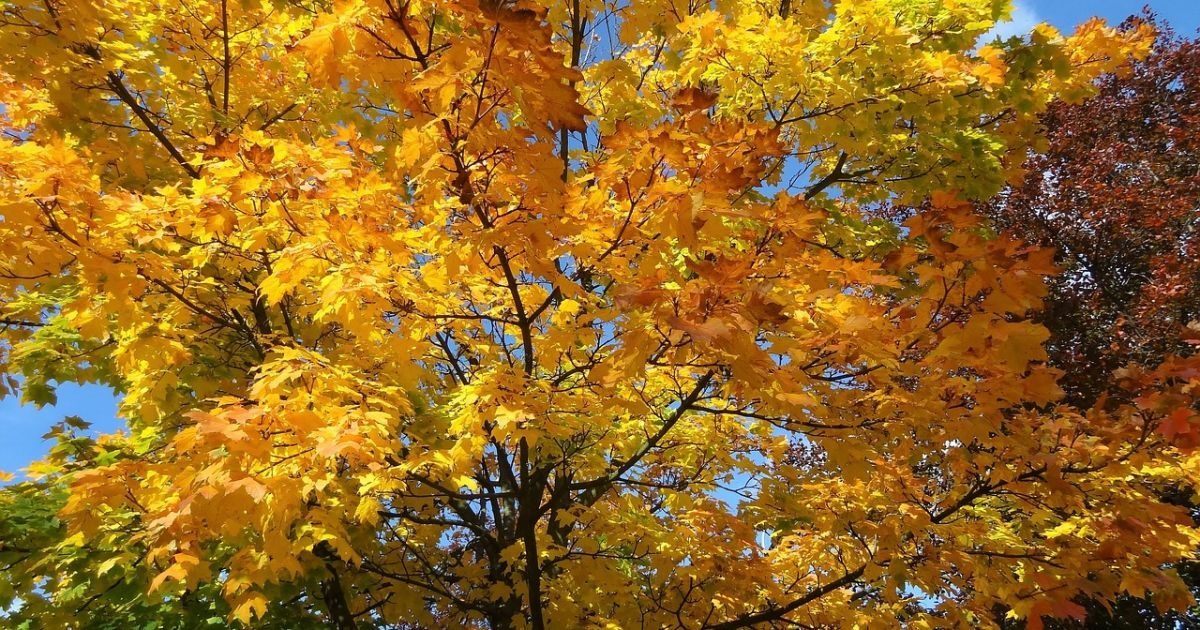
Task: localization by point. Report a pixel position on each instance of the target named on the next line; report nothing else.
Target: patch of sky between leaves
(22, 425)
(1019, 24)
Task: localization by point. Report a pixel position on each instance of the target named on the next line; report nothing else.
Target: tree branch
(601, 484)
(779, 612)
(118, 87)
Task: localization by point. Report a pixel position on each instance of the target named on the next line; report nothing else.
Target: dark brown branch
(6, 322)
(225, 62)
(127, 97)
(332, 593)
(599, 485)
(777, 613)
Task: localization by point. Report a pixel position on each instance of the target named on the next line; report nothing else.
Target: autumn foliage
(1115, 192)
(504, 314)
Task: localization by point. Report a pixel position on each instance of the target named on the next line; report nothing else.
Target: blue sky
(21, 427)
(1183, 15)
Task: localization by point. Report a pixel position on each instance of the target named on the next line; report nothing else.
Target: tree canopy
(1116, 192)
(506, 313)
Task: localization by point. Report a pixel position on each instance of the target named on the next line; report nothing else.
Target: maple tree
(508, 314)
(1115, 192)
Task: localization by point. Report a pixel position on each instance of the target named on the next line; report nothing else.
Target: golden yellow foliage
(564, 314)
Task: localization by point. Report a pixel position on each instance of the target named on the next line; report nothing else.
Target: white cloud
(1023, 19)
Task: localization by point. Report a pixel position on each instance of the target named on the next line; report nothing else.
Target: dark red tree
(1117, 193)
